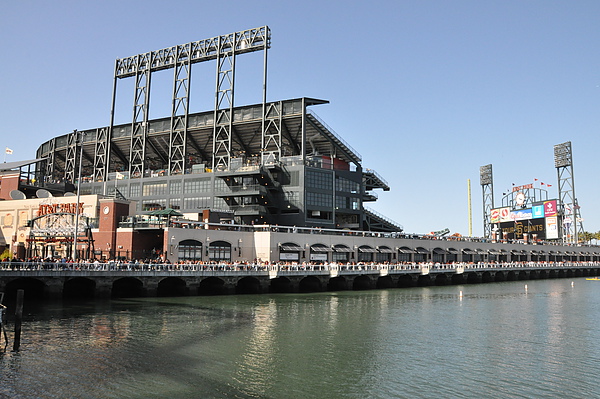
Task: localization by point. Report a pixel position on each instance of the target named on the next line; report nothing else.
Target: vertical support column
(71, 158)
(571, 227)
(303, 153)
(179, 114)
(271, 135)
(223, 116)
(487, 187)
(50, 161)
(102, 158)
(100, 154)
(139, 126)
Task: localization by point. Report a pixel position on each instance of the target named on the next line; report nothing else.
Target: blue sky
(426, 91)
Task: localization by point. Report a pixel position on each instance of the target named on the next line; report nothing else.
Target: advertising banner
(514, 230)
(537, 211)
(318, 257)
(522, 214)
(289, 256)
(550, 208)
(552, 228)
(499, 215)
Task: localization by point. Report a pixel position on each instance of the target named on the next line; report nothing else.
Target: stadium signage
(60, 208)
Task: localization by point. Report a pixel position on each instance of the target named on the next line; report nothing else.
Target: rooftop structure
(267, 163)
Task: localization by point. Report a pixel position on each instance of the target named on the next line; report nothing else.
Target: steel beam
(203, 50)
(487, 187)
(139, 126)
(271, 136)
(179, 115)
(100, 154)
(572, 223)
(71, 157)
(223, 114)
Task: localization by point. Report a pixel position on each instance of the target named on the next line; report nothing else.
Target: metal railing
(232, 267)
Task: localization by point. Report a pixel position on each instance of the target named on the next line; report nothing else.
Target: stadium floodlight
(562, 155)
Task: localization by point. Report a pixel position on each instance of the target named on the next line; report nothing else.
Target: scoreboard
(538, 222)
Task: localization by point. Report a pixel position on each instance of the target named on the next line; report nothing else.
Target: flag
(534, 179)
(542, 183)
(548, 185)
(8, 151)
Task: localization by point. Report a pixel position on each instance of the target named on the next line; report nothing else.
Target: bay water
(525, 339)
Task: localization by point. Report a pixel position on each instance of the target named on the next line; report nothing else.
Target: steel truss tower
(572, 223)
(224, 50)
(487, 187)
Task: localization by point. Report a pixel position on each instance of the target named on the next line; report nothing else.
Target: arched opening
(310, 284)
(362, 283)
(499, 277)
(337, 284)
(248, 285)
(486, 277)
(212, 286)
(424, 280)
(171, 286)
(34, 289)
(79, 288)
(405, 281)
(385, 282)
(127, 287)
(441, 279)
(473, 278)
(280, 285)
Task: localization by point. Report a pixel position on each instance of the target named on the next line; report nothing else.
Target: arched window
(219, 251)
(365, 253)
(384, 254)
(190, 250)
(341, 253)
(319, 253)
(290, 251)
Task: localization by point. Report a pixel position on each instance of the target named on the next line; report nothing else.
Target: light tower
(572, 226)
(487, 188)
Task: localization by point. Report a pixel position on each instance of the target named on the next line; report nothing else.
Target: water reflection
(495, 341)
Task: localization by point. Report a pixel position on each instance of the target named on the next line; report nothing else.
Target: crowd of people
(163, 264)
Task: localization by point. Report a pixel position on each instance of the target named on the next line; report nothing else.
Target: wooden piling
(2, 328)
(18, 319)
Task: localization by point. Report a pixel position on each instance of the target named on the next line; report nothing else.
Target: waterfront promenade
(134, 279)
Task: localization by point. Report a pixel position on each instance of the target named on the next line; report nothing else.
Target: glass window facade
(153, 204)
(197, 203)
(135, 190)
(347, 186)
(319, 179)
(197, 186)
(322, 200)
(155, 188)
(219, 251)
(190, 250)
(175, 187)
